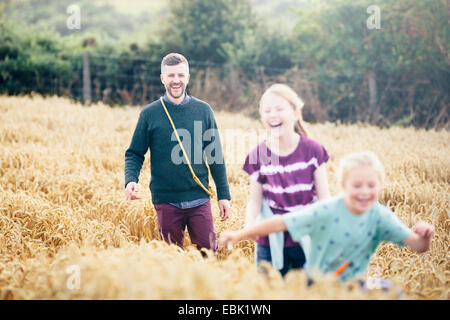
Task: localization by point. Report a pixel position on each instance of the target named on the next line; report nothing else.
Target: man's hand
(131, 192)
(225, 209)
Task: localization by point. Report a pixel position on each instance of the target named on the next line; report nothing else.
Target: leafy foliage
(407, 57)
(395, 75)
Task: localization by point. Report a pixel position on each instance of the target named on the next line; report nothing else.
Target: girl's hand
(423, 229)
(420, 238)
(228, 238)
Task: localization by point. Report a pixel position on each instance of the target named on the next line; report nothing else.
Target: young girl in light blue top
(346, 229)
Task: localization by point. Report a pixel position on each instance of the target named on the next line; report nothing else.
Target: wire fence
(112, 79)
(127, 80)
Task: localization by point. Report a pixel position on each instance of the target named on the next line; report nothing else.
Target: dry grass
(61, 204)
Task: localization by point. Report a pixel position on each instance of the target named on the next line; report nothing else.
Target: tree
(199, 28)
(398, 73)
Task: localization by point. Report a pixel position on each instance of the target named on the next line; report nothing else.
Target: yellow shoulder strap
(196, 179)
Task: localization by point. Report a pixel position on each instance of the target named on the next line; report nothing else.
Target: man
(179, 200)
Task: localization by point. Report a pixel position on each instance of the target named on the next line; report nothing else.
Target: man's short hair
(172, 59)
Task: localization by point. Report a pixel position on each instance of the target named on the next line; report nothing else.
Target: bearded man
(178, 199)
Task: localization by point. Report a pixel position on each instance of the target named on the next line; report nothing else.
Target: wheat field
(62, 212)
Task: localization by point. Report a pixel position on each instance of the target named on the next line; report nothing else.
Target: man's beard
(170, 92)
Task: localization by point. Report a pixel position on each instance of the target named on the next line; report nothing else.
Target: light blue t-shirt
(337, 235)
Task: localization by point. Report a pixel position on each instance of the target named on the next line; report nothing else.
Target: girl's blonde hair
(290, 96)
(363, 158)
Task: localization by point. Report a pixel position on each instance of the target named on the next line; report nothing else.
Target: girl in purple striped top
(287, 169)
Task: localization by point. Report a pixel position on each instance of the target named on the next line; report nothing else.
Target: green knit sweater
(171, 179)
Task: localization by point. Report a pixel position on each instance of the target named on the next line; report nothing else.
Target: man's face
(175, 79)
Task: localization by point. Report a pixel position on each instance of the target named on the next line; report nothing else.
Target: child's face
(361, 186)
(277, 115)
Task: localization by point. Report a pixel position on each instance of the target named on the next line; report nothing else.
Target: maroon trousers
(172, 222)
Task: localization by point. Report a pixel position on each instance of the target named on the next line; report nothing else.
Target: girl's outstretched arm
(321, 182)
(420, 239)
(264, 228)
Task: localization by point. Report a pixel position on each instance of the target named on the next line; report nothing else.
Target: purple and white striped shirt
(288, 182)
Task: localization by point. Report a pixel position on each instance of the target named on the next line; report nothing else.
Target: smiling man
(179, 201)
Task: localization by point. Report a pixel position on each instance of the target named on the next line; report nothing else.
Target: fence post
(372, 83)
(86, 79)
